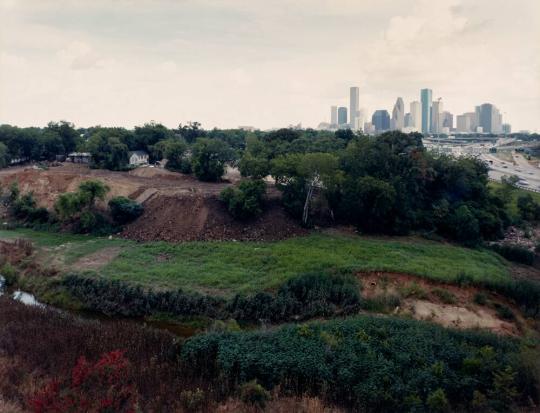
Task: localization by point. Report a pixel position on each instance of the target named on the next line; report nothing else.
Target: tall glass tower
(426, 100)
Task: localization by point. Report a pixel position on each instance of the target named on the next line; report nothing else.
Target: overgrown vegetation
(246, 201)
(373, 364)
(385, 184)
(76, 211)
(304, 297)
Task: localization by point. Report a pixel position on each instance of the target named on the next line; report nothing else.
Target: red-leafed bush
(99, 387)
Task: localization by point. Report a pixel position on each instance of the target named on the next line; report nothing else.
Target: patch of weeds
(383, 303)
(480, 298)
(504, 312)
(413, 290)
(444, 295)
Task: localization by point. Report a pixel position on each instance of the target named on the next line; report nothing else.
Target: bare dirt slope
(177, 207)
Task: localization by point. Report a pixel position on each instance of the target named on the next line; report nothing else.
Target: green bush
(247, 200)
(480, 298)
(253, 393)
(124, 210)
(514, 253)
(366, 363)
(444, 295)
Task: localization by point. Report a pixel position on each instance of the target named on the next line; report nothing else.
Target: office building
(436, 112)
(408, 121)
(490, 118)
(369, 128)
(381, 120)
(426, 102)
(354, 107)
(447, 120)
(342, 115)
(398, 115)
(464, 123)
(333, 115)
(416, 115)
(506, 128)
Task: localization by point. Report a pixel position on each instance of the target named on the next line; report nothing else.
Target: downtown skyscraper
(426, 98)
(354, 109)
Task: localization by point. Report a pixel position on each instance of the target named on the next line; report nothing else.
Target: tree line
(385, 184)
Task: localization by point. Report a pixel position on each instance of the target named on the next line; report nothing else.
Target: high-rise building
(416, 115)
(398, 115)
(354, 107)
(464, 122)
(369, 129)
(381, 120)
(490, 118)
(408, 121)
(506, 128)
(447, 120)
(342, 115)
(436, 112)
(426, 97)
(333, 115)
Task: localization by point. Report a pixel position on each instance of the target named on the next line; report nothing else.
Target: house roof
(79, 154)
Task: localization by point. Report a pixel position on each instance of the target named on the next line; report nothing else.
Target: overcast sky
(266, 63)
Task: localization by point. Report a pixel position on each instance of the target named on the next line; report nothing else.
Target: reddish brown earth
(196, 218)
(178, 207)
(463, 313)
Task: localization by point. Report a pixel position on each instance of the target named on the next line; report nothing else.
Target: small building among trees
(137, 158)
(79, 157)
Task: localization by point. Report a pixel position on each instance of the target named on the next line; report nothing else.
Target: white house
(138, 158)
(79, 157)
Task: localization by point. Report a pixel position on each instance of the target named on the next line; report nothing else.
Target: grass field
(227, 267)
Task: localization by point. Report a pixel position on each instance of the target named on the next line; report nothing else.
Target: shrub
(253, 393)
(124, 210)
(437, 401)
(525, 293)
(444, 295)
(514, 253)
(246, 201)
(192, 400)
(98, 387)
(413, 290)
(366, 363)
(382, 303)
(504, 312)
(9, 273)
(480, 298)
(306, 296)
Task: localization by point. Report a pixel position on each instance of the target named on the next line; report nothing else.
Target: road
(529, 174)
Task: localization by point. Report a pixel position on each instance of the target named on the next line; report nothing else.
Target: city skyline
(266, 64)
(427, 116)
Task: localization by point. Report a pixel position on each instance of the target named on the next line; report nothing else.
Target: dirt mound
(193, 217)
(419, 300)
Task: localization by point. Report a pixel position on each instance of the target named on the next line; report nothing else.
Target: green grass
(248, 267)
(228, 267)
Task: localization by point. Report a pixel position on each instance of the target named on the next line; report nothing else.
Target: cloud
(265, 63)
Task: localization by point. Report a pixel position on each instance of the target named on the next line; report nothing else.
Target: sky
(262, 63)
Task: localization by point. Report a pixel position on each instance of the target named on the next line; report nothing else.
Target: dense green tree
(247, 200)
(4, 155)
(146, 136)
(528, 208)
(209, 159)
(191, 132)
(67, 134)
